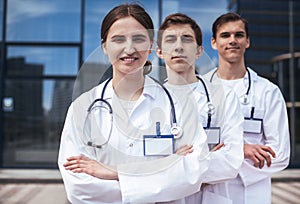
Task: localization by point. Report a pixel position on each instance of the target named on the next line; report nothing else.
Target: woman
(113, 169)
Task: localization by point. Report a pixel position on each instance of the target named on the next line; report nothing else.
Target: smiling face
(127, 46)
(179, 48)
(231, 42)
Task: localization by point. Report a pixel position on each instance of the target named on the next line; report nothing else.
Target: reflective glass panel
(34, 111)
(43, 20)
(41, 61)
(1, 18)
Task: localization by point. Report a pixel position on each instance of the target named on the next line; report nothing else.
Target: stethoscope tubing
(246, 95)
(209, 111)
(174, 128)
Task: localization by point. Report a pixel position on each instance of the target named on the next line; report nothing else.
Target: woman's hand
(83, 164)
(217, 147)
(184, 150)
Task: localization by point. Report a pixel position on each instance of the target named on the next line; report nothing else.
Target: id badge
(213, 136)
(158, 145)
(253, 125)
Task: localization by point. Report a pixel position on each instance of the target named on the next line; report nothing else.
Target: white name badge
(213, 136)
(253, 125)
(158, 145)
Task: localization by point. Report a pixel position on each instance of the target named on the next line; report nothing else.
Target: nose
(129, 48)
(178, 45)
(232, 39)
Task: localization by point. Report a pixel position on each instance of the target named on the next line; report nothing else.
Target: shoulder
(263, 83)
(208, 76)
(86, 98)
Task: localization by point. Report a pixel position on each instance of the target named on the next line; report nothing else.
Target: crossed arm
(83, 164)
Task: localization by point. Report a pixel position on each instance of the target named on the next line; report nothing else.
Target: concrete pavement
(39, 186)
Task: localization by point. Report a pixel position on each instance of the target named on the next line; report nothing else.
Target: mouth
(232, 48)
(179, 57)
(128, 59)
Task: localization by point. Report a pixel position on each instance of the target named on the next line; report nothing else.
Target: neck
(181, 78)
(231, 71)
(129, 87)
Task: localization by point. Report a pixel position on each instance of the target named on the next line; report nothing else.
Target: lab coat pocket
(209, 198)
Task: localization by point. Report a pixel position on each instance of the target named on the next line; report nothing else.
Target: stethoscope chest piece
(210, 108)
(245, 99)
(176, 131)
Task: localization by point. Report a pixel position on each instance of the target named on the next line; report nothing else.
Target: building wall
(49, 55)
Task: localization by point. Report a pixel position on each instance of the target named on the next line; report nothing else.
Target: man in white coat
(179, 45)
(266, 133)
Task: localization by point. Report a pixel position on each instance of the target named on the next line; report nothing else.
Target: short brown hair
(179, 18)
(228, 17)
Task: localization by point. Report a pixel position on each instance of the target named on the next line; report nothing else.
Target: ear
(159, 53)
(213, 43)
(150, 49)
(248, 42)
(199, 51)
(104, 48)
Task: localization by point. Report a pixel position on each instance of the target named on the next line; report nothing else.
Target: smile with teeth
(128, 59)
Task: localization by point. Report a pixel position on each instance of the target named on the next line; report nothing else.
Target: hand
(184, 150)
(217, 147)
(258, 154)
(203, 185)
(83, 164)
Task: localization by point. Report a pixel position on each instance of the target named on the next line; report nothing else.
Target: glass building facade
(47, 47)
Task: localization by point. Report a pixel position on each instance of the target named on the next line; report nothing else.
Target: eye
(170, 39)
(240, 35)
(139, 39)
(118, 39)
(187, 39)
(225, 35)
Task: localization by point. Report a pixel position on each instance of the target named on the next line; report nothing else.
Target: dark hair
(179, 18)
(228, 17)
(126, 10)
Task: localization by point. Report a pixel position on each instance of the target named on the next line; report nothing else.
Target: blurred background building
(50, 53)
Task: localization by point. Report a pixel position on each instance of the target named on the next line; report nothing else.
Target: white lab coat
(224, 163)
(253, 185)
(140, 181)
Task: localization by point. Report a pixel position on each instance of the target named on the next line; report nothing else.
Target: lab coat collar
(199, 92)
(253, 74)
(241, 90)
(150, 89)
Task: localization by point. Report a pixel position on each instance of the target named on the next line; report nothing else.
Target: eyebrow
(170, 35)
(238, 32)
(122, 35)
(140, 35)
(188, 35)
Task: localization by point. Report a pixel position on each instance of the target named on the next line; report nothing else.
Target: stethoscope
(245, 99)
(175, 130)
(210, 106)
